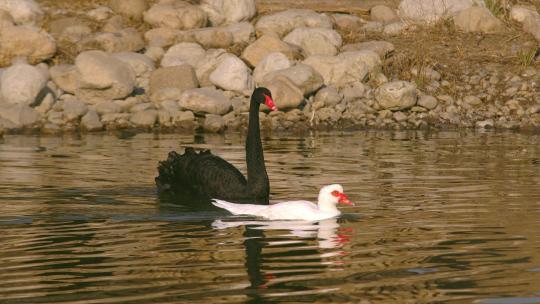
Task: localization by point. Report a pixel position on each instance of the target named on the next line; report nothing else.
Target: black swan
(203, 176)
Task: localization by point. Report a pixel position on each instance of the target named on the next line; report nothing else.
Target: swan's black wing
(200, 175)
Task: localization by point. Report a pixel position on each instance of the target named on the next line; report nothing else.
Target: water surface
(439, 217)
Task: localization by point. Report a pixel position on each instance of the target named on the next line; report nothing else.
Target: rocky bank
(173, 65)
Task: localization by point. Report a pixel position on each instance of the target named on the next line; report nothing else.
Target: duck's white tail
(237, 209)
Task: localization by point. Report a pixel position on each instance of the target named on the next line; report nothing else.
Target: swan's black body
(201, 176)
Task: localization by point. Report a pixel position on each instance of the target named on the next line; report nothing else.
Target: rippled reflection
(439, 217)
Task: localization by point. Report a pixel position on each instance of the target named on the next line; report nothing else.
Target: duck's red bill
(343, 199)
(270, 103)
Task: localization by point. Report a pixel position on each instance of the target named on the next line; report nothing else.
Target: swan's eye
(335, 193)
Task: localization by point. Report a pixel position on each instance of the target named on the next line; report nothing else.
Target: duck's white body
(329, 196)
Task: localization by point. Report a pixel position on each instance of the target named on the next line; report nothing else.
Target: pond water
(439, 217)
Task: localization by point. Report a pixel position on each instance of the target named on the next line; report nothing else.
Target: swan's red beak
(270, 103)
(344, 199)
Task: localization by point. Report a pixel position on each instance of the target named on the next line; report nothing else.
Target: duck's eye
(335, 193)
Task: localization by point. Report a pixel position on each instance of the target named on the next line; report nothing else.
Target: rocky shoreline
(184, 66)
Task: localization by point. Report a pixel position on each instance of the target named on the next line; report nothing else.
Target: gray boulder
(213, 123)
(382, 48)
(315, 41)
(345, 68)
(213, 37)
(242, 32)
(176, 15)
(26, 12)
(422, 11)
(384, 14)
(228, 11)
(65, 77)
(73, 109)
(205, 100)
(232, 74)
(18, 116)
(265, 45)
(144, 119)
(272, 62)
(181, 77)
(283, 22)
(303, 76)
(132, 9)
(185, 52)
(396, 95)
(91, 122)
(478, 19)
(102, 76)
(25, 41)
(327, 97)
(285, 93)
(21, 83)
(125, 40)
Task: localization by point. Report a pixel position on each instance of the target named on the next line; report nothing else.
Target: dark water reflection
(439, 217)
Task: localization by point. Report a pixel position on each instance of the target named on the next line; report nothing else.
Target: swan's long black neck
(257, 178)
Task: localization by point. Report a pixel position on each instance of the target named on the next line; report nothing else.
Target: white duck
(329, 196)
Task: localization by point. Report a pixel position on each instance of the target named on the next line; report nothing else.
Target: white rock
(428, 102)
(100, 13)
(423, 11)
(354, 91)
(155, 53)
(73, 109)
(373, 26)
(285, 93)
(532, 26)
(396, 95)
(102, 76)
(347, 22)
(161, 37)
(23, 11)
(346, 68)
(65, 77)
(265, 45)
(315, 41)
(133, 9)
(205, 100)
(283, 22)
(213, 123)
(21, 84)
(228, 11)
(141, 64)
(384, 14)
(327, 97)
(181, 77)
(107, 106)
(144, 119)
(395, 28)
(90, 121)
(242, 32)
(484, 124)
(176, 15)
(382, 48)
(125, 40)
(18, 115)
(303, 76)
(521, 13)
(478, 19)
(185, 52)
(232, 74)
(213, 37)
(272, 62)
(25, 41)
(208, 64)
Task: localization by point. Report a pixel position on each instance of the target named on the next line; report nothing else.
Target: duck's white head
(331, 195)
